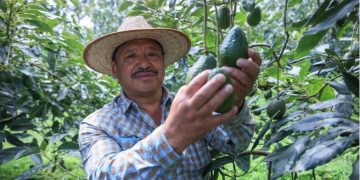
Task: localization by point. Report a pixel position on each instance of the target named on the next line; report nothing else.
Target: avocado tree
(305, 100)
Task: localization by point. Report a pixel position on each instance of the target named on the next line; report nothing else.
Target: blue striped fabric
(121, 141)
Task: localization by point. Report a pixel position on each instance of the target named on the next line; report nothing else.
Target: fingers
(223, 118)
(254, 56)
(209, 91)
(196, 83)
(216, 100)
(249, 68)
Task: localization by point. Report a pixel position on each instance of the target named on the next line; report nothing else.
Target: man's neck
(149, 98)
(149, 102)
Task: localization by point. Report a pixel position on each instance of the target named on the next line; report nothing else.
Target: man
(148, 132)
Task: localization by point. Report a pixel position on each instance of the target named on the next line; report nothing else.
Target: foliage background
(46, 90)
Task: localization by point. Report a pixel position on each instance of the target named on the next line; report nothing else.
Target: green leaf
(57, 137)
(298, 24)
(62, 94)
(172, 3)
(313, 86)
(16, 153)
(331, 52)
(76, 3)
(284, 158)
(316, 121)
(3, 5)
(351, 82)
(74, 44)
(44, 144)
(261, 134)
(292, 3)
(69, 146)
(42, 26)
(276, 44)
(321, 153)
(355, 172)
(319, 12)
(32, 171)
(332, 15)
(51, 60)
(13, 140)
(326, 104)
(216, 164)
(36, 158)
(55, 126)
(327, 93)
(307, 43)
(243, 163)
(134, 13)
(125, 5)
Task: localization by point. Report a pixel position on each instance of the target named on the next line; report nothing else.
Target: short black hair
(113, 57)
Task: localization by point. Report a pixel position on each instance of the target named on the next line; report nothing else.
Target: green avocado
(229, 101)
(224, 17)
(248, 5)
(234, 46)
(203, 63)
(276, 109)
(268, 94)
(254, 18)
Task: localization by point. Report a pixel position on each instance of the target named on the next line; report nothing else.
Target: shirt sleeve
(103, 157)
(234, 136)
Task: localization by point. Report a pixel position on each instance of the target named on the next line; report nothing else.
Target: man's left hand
(244, 76)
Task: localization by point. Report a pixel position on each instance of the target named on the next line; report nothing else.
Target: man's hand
(244, 76)
(191, 116)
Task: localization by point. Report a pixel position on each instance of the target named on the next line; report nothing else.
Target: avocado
(276, 109)
(268, 94)
(248, 5)
(203, 63)
(229, 101)
(254, 18)
(233, 47)
(224, 17)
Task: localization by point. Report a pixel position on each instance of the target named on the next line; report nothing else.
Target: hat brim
(98, 53)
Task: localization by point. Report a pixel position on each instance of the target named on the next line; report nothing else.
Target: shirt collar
(124, 103)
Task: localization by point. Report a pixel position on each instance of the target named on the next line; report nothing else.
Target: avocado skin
(233, 47)
(276, 109)
(224, 17)
(203, 63)
(229, 101)
(254, 18)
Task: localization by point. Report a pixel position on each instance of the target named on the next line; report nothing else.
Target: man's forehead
(137, 42)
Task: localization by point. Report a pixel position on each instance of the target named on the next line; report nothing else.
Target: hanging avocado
(276, 109)
(203, 63)
(254, 18)
(224, 17)
(234, 46)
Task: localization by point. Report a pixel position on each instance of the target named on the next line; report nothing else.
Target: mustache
(141, 70)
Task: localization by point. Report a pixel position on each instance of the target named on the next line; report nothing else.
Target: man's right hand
(191, 116)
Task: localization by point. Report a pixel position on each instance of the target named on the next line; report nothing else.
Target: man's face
(139, 66)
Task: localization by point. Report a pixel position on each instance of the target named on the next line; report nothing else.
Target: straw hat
(98, 53)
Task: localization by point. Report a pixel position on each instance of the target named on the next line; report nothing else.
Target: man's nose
(144, 61)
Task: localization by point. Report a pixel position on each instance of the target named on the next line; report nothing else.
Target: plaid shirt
(121, 141)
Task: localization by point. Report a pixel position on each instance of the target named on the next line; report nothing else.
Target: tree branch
(11, 118)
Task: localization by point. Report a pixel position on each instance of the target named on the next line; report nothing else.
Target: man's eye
(153, 54)
(130, 56)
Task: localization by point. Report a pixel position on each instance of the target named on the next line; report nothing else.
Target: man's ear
(114, 69)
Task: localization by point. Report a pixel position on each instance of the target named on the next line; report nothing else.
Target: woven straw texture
(98, 53)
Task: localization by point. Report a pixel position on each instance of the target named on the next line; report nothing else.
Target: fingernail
(228, 88)
(239, 61)
(220, 77)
